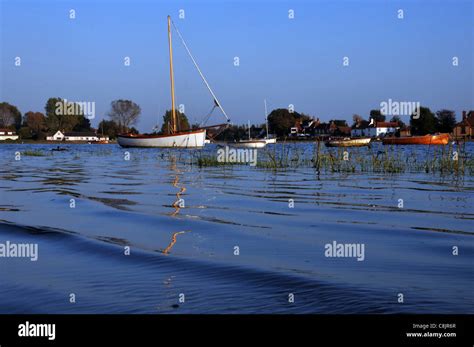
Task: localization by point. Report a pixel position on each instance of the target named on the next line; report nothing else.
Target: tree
(62, 115)
(10, 116)
(35, 121)
(183, 123)
(125, 113)
(357, 119)
(398, 120)
(25, 133)
(339, 122)
(84, 124)
(281, 120)
(446, 121)
(109, 128)
(424, 124)
(377, 116)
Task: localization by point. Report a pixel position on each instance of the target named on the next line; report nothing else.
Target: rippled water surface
(188, 246)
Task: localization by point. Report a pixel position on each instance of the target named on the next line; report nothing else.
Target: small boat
(348, 142)
(195, 138)
(59, 149)
(268, 139)
(250, 143)
(439, 139)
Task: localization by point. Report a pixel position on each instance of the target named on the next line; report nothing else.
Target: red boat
(439, 139)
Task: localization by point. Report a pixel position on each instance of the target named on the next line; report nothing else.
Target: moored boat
(249, 143)
(348, 142)
(190, 139)
(439, 139)
(195, 138)
(270, 140)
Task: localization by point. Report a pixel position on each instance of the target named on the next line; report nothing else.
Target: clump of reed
(442, 160)
(33, 154)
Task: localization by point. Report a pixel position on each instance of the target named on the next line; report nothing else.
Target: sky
(297, 61)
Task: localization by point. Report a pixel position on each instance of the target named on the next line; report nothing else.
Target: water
(190, 250)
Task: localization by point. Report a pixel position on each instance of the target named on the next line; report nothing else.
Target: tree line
(124, 115)
(426, 122)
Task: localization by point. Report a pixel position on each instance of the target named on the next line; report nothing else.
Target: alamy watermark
(345, 250)
(70, 108)
(400, 108)
(237, 155)
(28, 329)
(19, 250)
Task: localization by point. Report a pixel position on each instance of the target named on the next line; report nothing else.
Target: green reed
(444, 160)
(33, 154)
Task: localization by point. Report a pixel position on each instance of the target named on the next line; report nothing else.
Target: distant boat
(250, 143)
(59, 149)
(195, 138)
(440, 139)
(348, 142)
(268, 139)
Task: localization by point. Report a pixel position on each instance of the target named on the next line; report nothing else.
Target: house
(304, 128)
(374, 129)
(8, 134)
(58, 136)
(406, 131)
(339, 128)
(465, 128)
(88, 136)
(322, 129)
(81, 136)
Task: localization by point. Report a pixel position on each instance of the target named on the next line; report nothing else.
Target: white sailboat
(268, 139)
(250, 143)
(177, 138)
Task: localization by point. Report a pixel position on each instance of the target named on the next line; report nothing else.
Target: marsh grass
(33, 154)
(387, 159)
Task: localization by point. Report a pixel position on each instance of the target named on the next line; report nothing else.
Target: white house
(59, 136)
(375, 130)
(7, 134)
(77, 136)
(85, 136)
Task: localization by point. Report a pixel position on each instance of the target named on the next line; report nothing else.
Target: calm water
(190, 249)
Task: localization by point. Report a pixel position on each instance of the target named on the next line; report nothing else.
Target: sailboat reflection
(178, 204)
(173, 240)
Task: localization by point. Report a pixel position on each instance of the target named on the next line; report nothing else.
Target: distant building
(77, 137)
(375, 129)
(304, 128)
(465, 128)
(405, 131)
(322, 129)
(8, 134)
(58, 136)
(339, 128)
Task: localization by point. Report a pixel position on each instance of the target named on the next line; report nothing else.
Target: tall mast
(266, 114)
(249, 130)
(173, 110)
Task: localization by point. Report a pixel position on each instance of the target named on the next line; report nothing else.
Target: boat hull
(192, 139)
(249, 144)
(349, 142)
(270, 141)
(441, 139)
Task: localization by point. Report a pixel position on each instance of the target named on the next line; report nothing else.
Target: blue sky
(287, 61)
